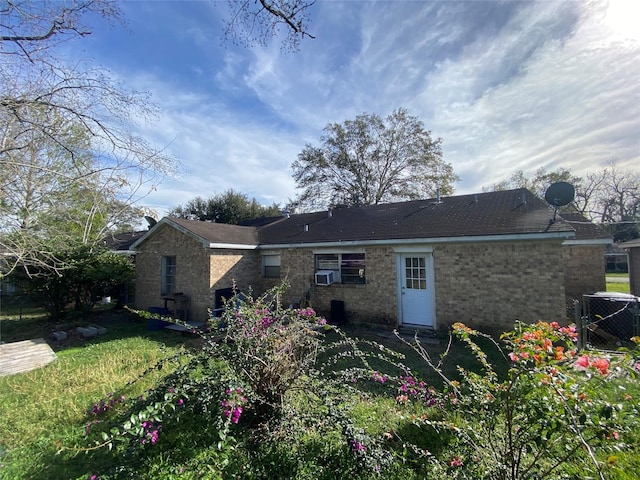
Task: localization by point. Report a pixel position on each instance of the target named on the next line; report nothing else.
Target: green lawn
(622, 287)
(43, 413)
(618, 275)
(46, 408)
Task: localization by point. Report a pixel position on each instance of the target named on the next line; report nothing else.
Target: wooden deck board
(18, 357)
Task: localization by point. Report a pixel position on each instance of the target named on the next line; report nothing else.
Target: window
(349, 268)
(271, 266)
(168, 275)
(415, 273)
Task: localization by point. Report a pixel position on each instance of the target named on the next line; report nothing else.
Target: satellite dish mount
(559, 194)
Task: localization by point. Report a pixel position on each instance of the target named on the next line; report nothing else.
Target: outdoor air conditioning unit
(324, 277)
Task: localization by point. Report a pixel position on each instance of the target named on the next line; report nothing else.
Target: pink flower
(583, 361)
(601, 364)
(402, 399)
(455, 462)
(513, 357)
(379, 378)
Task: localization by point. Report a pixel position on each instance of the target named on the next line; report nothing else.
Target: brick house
(485, 259)
(584, 257)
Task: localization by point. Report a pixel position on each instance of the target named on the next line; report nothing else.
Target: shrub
(547, 413)
(268, 377)
(239, 378)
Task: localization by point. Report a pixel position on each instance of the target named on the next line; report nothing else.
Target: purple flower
(379, 378)
(236, 414)
(358, 447)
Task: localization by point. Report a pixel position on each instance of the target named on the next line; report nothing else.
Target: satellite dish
(559, 194)
(150, 220)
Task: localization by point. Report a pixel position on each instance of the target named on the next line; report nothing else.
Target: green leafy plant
(269, 349)
(82, 275)
(545, 414)
(248, 362)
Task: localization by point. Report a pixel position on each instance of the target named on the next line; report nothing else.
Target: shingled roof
(210, 234)
(510, 212)
(585, 230)
(503, 213)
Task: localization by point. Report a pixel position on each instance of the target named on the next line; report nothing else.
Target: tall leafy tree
(229, 207)
(538, 183)
(369, 160)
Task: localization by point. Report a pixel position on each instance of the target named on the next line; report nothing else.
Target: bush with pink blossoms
(547, 411)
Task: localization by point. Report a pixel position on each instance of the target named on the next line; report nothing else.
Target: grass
(47, 407)
(622, 287)
(43, 412)
(618, 275)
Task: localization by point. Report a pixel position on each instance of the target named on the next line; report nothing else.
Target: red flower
(601, 364)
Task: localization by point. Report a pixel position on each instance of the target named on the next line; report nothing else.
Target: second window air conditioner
(325, 277)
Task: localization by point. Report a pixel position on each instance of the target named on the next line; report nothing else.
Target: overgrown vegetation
(271, 392)
(81, 277)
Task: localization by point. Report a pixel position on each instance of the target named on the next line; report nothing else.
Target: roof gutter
(435, 240)
(594, 241)
(232, 246)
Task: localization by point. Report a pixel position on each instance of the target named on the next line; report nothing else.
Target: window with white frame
(348, 268)
(168, 275)
(271, 266)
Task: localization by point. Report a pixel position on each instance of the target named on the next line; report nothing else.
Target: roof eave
(177, 226)
(592, 241)
(426, 240)
(229, 246)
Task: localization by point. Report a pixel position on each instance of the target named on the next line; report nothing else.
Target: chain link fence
(607, 320)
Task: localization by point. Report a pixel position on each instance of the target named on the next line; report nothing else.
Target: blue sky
(507, 85)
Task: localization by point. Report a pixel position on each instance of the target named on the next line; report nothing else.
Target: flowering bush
(266, 351)
(269, 376)
(269, 349)
(529, 423)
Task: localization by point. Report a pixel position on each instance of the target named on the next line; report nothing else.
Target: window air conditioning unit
(324, 277)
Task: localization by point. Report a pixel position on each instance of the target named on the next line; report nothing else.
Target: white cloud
(507, 86)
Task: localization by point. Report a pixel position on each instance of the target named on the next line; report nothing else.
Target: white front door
(416, 292)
